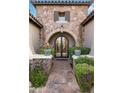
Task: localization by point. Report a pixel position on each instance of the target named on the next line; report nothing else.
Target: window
(61, 17)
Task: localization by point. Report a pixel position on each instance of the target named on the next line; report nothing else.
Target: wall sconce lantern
(62, 28)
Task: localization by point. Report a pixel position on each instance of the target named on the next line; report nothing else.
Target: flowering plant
(77, 46)
(46, 45)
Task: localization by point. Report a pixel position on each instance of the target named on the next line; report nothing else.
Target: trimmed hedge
(84, 70)
(85, 76)
(37, 77)
(81, 60)
(85, 50)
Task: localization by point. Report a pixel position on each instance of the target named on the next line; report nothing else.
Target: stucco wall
(34, 38)
(89, 36)
(45, 13)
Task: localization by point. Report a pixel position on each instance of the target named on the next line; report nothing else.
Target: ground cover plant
(37, 77)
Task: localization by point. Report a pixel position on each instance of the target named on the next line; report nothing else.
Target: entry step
(62, 59)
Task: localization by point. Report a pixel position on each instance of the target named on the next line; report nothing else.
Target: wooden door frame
(61, 46)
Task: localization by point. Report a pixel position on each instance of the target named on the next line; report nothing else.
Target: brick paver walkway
(61, 79)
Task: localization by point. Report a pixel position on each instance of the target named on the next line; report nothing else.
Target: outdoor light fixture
(62, 28)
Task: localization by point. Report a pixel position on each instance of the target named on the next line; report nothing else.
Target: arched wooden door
(61, 47)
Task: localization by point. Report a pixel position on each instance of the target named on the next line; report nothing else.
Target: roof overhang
(38, 2)
(34, 20)
(89, 18)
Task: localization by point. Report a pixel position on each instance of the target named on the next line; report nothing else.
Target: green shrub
(37, 77)
(85, 76)
(41, 50)
(85, 50)
(84, 87)
(71, 52)
(79, 69)
(87, 60)
(53, 51)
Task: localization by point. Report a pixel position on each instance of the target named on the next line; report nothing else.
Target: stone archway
(51, 34)
(70, 38)
(61, 50)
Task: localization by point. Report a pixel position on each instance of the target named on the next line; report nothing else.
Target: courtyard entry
(61, 42)
(61, 47)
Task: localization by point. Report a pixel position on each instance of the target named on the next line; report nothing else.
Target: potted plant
(77, 50)
(47, 49)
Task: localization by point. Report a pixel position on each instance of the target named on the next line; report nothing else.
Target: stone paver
(61, 79)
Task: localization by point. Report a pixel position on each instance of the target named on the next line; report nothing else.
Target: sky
(32, 9)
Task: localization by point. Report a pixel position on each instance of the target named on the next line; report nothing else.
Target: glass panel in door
(64, 47)
(58, 47)
(61, 47)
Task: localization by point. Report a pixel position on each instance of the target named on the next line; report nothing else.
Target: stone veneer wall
(45, 14)
(46, 64)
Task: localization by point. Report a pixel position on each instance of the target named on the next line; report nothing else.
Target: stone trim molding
(57, 31)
